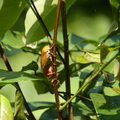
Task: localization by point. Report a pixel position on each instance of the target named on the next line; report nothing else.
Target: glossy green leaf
(103, 52)
(13, 39)
(47, 10)
(81, 112)
(92, 57)
(31, 66)
(10, 11)
(108, 78)
(105, 105)
(115, 9)
(11, 42)
(5, 109)
(8, 77)
(82, 59)
(41, 105)
(115, 27)
(116, 89)
(91, 84)
(88, 58)
(117, 68)
(43, 87)
(19, 107)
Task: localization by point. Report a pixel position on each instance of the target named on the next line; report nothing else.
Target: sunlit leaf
(5, 109)
(115, 27)
(47, 10)
(43, 87)
(8, 77)
(31, 66)
(82, 59)
(91, 84)
(79, 112)
(92, 57)
(117, 68)
(19, 107)
(105, 105)
(103, 52)
(10, 11)
(13, 39)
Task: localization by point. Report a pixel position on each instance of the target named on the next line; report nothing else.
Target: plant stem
(66, 55)
(105, 65)
(34, 9)
(16, 84)
(55, 81)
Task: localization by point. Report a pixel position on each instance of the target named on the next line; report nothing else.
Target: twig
(34, 9)
(105, 65)
(55, 81)
(16, 84)
(66, 54)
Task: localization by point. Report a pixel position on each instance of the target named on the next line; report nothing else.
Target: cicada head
(45, 54)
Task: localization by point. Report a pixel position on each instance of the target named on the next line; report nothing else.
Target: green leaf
(13, 39)
(41, 105)
(8, 77)
(91, 84)
(108, 78)
(88, 58)
(117, 68)
(10, 11)
(47, 10)
(11, 42)
(92, 57)
(115, 27)
(82, 59)
(105, 105)
(75, 67)
(115, 9)
(79, 112)
(31, 66)
(5, 109)
(43, 87)
(19, 107)
(103, 52)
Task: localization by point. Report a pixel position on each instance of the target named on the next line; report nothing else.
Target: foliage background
(90, 20)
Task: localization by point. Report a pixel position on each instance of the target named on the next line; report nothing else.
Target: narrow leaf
(19, 107)
(105, 105)
(117, 68)
(103, 52)
(31, 66)
(8, 77)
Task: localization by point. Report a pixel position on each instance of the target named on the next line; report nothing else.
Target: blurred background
(90, 19)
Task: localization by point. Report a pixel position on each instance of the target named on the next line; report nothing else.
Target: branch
(100, 70)
(66, 55)
(55, 81)
(34, 9)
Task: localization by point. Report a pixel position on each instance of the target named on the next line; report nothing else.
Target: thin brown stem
(55, 81)
(34, 9)
(16, 84)
(66, 55)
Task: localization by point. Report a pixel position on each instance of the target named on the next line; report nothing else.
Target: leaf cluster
(94, 64)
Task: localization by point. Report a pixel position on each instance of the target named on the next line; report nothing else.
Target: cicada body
(45, 54)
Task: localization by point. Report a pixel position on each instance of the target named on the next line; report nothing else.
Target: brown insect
(45, 55)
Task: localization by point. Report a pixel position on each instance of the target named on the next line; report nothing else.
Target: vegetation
(83, 82)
